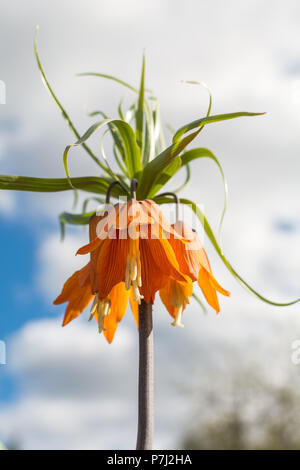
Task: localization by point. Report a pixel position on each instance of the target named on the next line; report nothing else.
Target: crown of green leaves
(141, 153)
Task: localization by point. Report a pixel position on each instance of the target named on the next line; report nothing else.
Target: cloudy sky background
(66, 388)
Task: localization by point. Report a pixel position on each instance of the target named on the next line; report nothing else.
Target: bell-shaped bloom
(132, 246)
(194, 263)
(131, 258)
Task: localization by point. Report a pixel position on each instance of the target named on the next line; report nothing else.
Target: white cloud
(73, 380)
(7, 203)
(57, 261)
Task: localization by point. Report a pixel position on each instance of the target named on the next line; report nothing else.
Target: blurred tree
(255, 415)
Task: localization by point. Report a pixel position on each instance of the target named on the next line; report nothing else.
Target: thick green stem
(145, 408)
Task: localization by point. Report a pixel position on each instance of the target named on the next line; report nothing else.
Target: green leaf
(130, 113)
(109, 77)
(139, 114)
(131, 149)
(121, 166)
(87, 200)
(165, 176)
(153, 169)
(75, 199)
(60, 106)
(81, 141)
(73, 219)
(199, 301)
(149, 139)
(120, 111)
(159, 137)
(92, 184)
(209, 120)
(194, 82)
(113, 131)
(118, 144)
(210, 234)
(186, 181)
(202, 152)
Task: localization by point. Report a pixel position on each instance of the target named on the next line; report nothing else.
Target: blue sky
(77, 389)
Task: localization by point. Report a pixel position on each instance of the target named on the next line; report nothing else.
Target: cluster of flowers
(135, 252)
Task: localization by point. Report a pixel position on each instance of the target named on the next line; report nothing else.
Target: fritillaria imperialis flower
(131, 259)
(194, 264)
(135, 252)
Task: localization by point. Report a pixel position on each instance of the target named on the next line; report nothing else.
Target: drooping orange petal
(191, 254)
(218, 288)
(164, 256)
(89, 247)
(94, 220)
(77, 292)
(95, 241)
(157, 218)
(209, 291)
(119, 301)
(203, 258)
(84, 275)
(152, 277)
(111, 265)
(194, 262)
(158, 264)
(166, 294)
(188, 260)
(71, 283)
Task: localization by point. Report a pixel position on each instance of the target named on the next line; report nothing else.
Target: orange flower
(194, 263)
(131, 259)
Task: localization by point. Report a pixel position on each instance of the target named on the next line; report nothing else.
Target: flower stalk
(146, 379)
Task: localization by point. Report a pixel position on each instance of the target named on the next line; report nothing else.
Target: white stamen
(133, 268)
(139, 276)
(133, 274)
(137, 295)
(94, 307)
(103, 309)
(177, 321)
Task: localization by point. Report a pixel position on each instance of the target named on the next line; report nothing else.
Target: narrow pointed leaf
(73, 219)
(139, 115)
(153, 169)
(95, 199)
(202, 152)
(199, 301)
(210, 120)
(92, 184)
(118, 144)
(159, 137)
(212, 238)
(109, 77)
(149, 139)
(165, 176)
(186, 181)
(60, 106)
(131, 149)
(133, 160)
